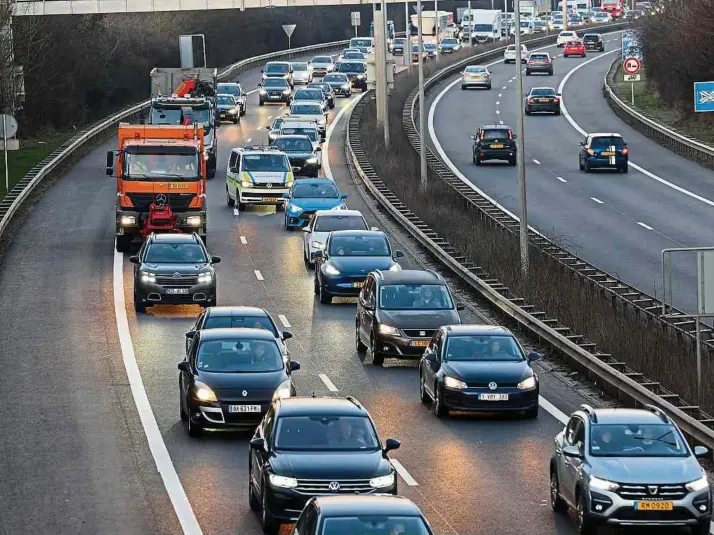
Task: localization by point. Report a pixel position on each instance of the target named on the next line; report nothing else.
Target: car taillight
(548, 60)
(624, 151)
(530, 101)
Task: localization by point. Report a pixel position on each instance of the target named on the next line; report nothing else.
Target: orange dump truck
(161, 181)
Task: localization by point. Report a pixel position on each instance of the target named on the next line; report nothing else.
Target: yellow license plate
(654, 506)
(608, 153)
(269, 199)
(357, 284)
(178, 186)
(419, 343)
(496, 146)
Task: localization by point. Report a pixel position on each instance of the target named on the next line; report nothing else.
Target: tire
(423, 394)
(124, 243)
(359, 345)
(586, 167)
(183, 415)
(550, 73)
(267, 520)
(194, 430)
(377, 357)
(237, 119)
(556, 502)
(565, 55)
(582, 520)
(528, 73)
(488, 87)
(512, 162)
(139, 306)
(557, 112)
(325, 297)
(280, 207)
(242, 112)
(242, 206)
(700, 529)
(211, 172)
(477, 160)
(528, 112)
(532, 414)
(437, 407)
(626, 168)
(261, 103)
(229, 200)
(582, 56)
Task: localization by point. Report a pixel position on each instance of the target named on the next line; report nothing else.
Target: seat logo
(652, 489)
(334, 486)
(422, 333)
(245, 393)
(492, 386)
(161, 199)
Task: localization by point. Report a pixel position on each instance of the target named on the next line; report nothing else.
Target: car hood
(226, 106)
(326, 465)
(183, 269)
(645, 470)
(316, 204)
(247, 381)
(479, 372)
(360, 265)
(419, 318)
(309, 101)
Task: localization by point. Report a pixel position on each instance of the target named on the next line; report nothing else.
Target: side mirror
(700, 451)
(262, 71)
(215, 260)
(391, 444)
(533, 357)
(269, 127)
(257, 443)
(286, 195)
(558, 95)
(294, 365)
(306, 229)
(515, 136)
(430, 356)
(460, 306)
(572, 451)
(374, 228)
(183, 366)
(318, 149)
(134, 259)
(110, 162)
(190, 334)
(473, 137)
(320, 254)
(287, 335)
(581, 143)
(398, 254)
(343, 195)
(296, 169)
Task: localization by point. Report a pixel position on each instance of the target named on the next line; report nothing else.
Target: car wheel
(528, 73)
(463, 88)
(229, 200)
(557, 112)
(550, 73)
(586, 167)
(139, 306)
(565, 55)
(528, 112)
(477, 160)
(325, 297)
(261, 103)
(532, 414)
(268, 522)
(359, 345)
(253, 500)
(423, 394)
(582, 519)
(279, 207)
(377, 356)
(625, 168)
(582, 55)
(512, 162)
(211, 173)
(242, 206)
(437, 406)
(488, 86)
(194, 430)
(701, 529)
(184, 416)
(556, 502)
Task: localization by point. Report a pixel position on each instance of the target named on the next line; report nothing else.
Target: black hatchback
(494, 142)
(542, 99)
(593, 41)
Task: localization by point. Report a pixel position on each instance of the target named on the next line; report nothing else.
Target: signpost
(632, 66)
(289, 29)
(355, 20)
(703, 96)
(9, 129)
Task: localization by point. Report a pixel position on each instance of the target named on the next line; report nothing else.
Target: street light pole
(385, 77)
(437, 28)
(422, 112)
(520, 141)
(408, 37)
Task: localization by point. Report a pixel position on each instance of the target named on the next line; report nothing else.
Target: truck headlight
(246, 184)
(699, 484)
(147, 276)
(194, 221)
(527, 384)
(206, 276)
(127, 220)
(382, 481)
(456, 384)
(282, 481)
(202, 392)
(331, 270)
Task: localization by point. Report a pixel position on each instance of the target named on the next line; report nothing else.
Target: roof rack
(261, 147)
(587, 409)
(659, 412)
(355, 402)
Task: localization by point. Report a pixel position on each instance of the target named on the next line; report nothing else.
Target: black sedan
(327, 91)
(478, 368)
(303, 155)
(339, 83)
(230, 377)
(542, 99)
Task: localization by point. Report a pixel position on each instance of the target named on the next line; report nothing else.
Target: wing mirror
(700, 451)
(183, 366)
(398, 254)
(473, 137)
(110, 162)
(318, 149)
(269, 127)
(287, 335)
(296, 169)
(573, 452)
(257, 443)
(190, 334)
(391, 444)
(430, 356)
(134, 259)
(215, 260)
(294, 365)
(532, 357)
(306, 229)
(460, 306)
(343, 195)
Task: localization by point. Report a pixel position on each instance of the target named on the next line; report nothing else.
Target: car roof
(604, 134)
(548, 88)
(475, 329)
(228, 83)
(293, 136)
(277, 62)
(348, 213)
(411, 276)
(173, 238)
(237, 334)
(319, 180)
(356, 233)
(328, 406)
(495, 127)
(224, 311)
(628, 416)
(375, 504)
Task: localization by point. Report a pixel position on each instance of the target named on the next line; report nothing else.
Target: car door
(232, 173)
(307, 522)
(584, 149)
(259, 456)
(366, 309)
(307, 235)
(432, 366)
(574, 432)
(186, 377)
(196, 327)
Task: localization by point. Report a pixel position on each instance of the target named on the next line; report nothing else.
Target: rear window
(353, 67)
(277, 68)
(322, 59)
(591, 38)
(330, 223)
(605, 142)
(539, 56)
(573, 43)
(543, 92)
(495, 134)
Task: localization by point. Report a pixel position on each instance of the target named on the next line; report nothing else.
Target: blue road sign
(631, 46)
(703, 96)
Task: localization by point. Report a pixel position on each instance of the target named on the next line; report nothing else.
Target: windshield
(650, 440)
(543, 92)
(409, 296)
(178, 115)
(239, 356)
(606, 142)
(374, 525)
(293, 144)
(539, 57)
(230, 89)
(483, 348)
(276, 83)
(323, 190)
(332, 223)
(299, 67)
(475, 69)
(354, 55)
(160, 166)
(341, 78)
(277, 68)
(430, 46)
(322, 59)
(353, 67)
(312, 133)
(308, 94)
(325, 433)
(265, 162)
(175, 253)
(526, 24)
(305, 109)
(361, 42)
(238, 322)
(359, 246)
(226, 100)
(449, 42)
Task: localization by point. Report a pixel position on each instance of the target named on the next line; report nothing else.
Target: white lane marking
(640, 223)
(236, 212)
(325, 153)
(498, 112)
(406, 476)
(269, 117)
(258, 275)
(329, 384)
(536, 162)
(562, 179)
(597, 200)
(252, 91)
(500, 95)
(642, 170)
(284, 320)
(554, 411)
(504, 87)
(243, 240)
(164, 465)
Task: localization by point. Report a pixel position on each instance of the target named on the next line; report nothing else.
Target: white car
(602, 17)
(509, 56)
(564, 37)
(302, 72)
(321, 65)
(556, 23)
(326, 221)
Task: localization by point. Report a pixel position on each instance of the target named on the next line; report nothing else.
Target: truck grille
(651, 492)
(268, 185)
(179, 201)
(315, 487)
(416, 333)
(174, 281)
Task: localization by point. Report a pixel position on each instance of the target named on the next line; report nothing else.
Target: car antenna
(313, 394)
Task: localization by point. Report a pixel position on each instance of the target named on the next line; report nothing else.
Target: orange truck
(161, 181)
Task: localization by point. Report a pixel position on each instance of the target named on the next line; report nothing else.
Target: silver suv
(628, 467)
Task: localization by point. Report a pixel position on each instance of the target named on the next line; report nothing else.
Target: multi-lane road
(618, 222)
(79, 442)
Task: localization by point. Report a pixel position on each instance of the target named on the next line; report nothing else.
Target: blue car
(349, 256)
(603, 151)
(309, 195)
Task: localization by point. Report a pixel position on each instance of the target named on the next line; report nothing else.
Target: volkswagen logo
(161, 199)
(177, 275)
(492, 386)
(268, 185)
(652, 490)
(245, 393)
(334, 486)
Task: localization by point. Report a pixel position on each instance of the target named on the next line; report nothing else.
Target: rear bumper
(540, 68)
(496, 154)
(543, 107)
(484, 82)
(605, 162)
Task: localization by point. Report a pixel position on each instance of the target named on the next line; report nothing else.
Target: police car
(258, 176)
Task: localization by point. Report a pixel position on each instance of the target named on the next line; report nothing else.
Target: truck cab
(258, 176)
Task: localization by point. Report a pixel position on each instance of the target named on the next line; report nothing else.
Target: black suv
(542, 99)
(399, 311)
(303, 156)
(174, 269)
(494, 142)
(307, 446)
(593, 41)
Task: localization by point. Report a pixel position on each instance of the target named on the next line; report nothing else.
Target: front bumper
(151, 293)
(343, 285)
(468, 400)
(226, 115)
(124, 228)
(320, 71)
(606, 162)
(400, 347)
(260, 196)
(282, 97)
(339, 90)
(216, 415)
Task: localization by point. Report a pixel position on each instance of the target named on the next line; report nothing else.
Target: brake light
(548, 60)
(510, 134)
(624, 151)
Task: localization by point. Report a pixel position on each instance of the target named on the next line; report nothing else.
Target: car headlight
(346, 86)
(527, 384)
(331, 270)
(147, 276)
(206, 276)
(282, 481)
(233, 111)
(246, 184)
(388, 329)
(698, 484)
(456, 384)
(286, 91)
(127, 220)
(321, 122)
(317, 245)
(382, 481)
(194, 221)
(602, 484)
(202, 392)
(360, 76)
(395, 267)
(311, 161)
(295, 208)
(283, 391)
(263, 92)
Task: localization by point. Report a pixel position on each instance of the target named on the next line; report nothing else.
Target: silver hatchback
(628, 467)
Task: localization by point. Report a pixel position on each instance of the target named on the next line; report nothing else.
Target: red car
(574, 48)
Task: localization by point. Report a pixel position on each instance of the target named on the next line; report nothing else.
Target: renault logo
(245, 393)
(492, 386)
(161, 199)
(334, 486)
(652, 490)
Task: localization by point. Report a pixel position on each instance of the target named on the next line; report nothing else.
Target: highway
(618, 222)
(74, 452)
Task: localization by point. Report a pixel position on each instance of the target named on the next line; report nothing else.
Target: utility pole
(385, 77)
(408, 46)
(380, 66)
(422, 111)
(437, 27)
(565, 14)
(471, 24)
(520, 141)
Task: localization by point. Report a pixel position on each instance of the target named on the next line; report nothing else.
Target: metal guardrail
(24, 188)
(667, 137)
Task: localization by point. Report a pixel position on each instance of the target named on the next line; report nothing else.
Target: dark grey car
(301, 153)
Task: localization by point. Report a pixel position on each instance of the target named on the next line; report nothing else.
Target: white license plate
(243, 408)
(493, 397)
(176, 291)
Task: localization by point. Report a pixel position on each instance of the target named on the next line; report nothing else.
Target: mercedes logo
(177, 275)
(652, 489)
(161, 199)
(245, 393)
(492, 386)
(334, 486)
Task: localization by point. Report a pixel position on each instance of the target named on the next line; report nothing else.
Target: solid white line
(406, 476)
(536, 162)
(258, 275)
(325, 153)
(243, 240)
(329, 384)
(640, 223)
(597, 200)
(252, 91)
(642, 170)
(562, 179)
(284, 320)
(164, 465)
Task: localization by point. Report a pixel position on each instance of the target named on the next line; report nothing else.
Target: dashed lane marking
(236, 212)
(406, 476)
(329, 384)
(643, 225)
(284, 320)
(562, 179)
(258, 275)
(243, 240)
(597, 200)
(536, 162)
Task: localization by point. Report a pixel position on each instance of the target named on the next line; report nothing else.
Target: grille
(306, 216)
(485, 385)
(268, 185)
(652, 492)
(249, 195)
(182, 280)
(275, 93)
(416, 333)
(178, 201)
(322, 486)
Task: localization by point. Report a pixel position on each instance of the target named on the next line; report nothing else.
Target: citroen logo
(334, 486)
(177, 275)
(245, 393)
(161, 199)
(652, 489)
(492, 386)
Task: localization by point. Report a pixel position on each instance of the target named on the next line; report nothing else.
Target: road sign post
(9, 129)
(632, 66)
(355, 20)
(289, 29)
(703, 96)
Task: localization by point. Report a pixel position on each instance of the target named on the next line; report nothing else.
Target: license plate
(274, 97)
(654, 506)
(543, 100)
(493, 397)
(175, 291)
(243, 408)
(357, 284)
(496, 146)
(269, 199)
(608, 153)
(419, 343)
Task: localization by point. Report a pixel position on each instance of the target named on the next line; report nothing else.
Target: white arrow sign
(289, 29)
